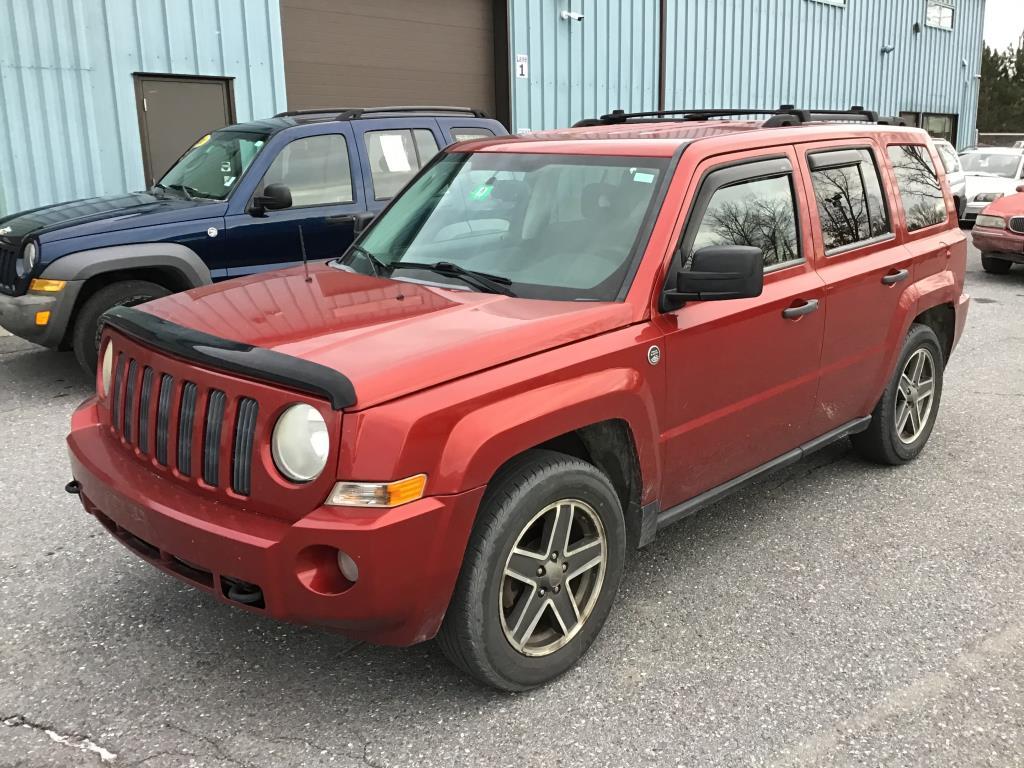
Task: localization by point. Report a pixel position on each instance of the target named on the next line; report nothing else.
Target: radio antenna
(305, 261)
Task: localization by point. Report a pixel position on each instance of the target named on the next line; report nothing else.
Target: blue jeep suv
(243, 199)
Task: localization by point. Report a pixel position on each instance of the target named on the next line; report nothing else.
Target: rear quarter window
(918, 184)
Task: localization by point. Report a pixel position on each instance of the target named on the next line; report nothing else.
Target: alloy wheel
(915, 396)
(553, 577)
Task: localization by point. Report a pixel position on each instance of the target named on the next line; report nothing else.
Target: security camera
(572, 16)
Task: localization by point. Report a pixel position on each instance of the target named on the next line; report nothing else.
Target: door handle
(805, 308)
(896, 277)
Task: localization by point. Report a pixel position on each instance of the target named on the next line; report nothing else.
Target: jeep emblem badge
(212, 231)
(654, 354)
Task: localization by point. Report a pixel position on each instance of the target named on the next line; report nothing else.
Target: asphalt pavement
(838, 613)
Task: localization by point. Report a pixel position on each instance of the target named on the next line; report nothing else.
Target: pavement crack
(221, 751)
(71, 739)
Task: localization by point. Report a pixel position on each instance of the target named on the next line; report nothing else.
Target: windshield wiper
(379, 267)
(180, 187)
(479, 280)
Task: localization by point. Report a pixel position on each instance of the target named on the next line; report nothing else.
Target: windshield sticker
(202, 141)
(229, 180)
(481, 193)
(394, 153)
(643, 178)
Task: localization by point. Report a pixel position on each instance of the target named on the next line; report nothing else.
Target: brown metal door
(174, 112)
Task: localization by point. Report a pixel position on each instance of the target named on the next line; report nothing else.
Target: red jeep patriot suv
(546, 349)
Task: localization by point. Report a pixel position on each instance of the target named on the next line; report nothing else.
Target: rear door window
(395, 156)
(918, 183)
(848, 192)
(465, 134)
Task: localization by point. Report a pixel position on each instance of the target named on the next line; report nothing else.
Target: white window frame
(950, 4)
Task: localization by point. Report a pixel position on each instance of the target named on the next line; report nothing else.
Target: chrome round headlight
(300, 443)
(106, 368)
(29, 256)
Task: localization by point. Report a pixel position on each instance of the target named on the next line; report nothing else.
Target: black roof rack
(785, 115)
(354, 113)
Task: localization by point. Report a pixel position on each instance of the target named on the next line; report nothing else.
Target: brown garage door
(355, 53)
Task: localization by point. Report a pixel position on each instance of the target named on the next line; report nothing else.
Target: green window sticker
(481, 193)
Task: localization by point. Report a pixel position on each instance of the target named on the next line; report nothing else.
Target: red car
(544, 351)
(999, 233)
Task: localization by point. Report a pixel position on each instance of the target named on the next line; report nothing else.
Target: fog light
(348, 567)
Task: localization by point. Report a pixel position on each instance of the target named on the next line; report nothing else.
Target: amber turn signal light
(383, 495)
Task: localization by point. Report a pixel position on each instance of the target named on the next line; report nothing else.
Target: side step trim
(697, 503)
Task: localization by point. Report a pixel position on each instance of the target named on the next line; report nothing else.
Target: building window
(939, 13)
(939, 125)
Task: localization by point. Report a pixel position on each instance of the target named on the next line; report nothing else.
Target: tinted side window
(395, 156)
(848, 191)
(315, 169)
(918, 182)
(759, 212)
(463, 134)
(950, 161)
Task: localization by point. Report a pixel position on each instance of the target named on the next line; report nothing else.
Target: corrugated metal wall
(67, 101)
(579, 68)
(737, 53)
(761, 53)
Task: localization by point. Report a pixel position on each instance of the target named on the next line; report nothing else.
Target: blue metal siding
(67, 99)
(576, 69)
(743, 53)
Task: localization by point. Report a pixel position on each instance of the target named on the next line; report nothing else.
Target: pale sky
(1004, 23)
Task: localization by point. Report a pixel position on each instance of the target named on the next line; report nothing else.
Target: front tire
(903, 420)
(85, 336)
(540, 574)
(994, 265)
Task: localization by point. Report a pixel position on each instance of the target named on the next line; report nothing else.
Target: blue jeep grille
(8, 269)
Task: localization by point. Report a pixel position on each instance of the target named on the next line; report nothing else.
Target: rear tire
(510, 620)
(995, 265)
(85, 336)
(903, 420)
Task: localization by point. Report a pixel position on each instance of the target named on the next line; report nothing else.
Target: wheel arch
(171, 265)
(606, 418)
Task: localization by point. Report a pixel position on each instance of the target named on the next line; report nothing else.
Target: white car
(991, 173)
(954, 173)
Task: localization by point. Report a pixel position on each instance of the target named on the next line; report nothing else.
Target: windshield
(548, 226)
(990, 163)
(214, 164)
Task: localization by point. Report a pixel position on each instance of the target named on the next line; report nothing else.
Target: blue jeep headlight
(29, 257)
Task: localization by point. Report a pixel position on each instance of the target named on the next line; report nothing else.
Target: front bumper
(408, 557)
(1007, 244)
(18, 314)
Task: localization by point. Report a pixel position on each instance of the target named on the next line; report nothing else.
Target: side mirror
(361, 222)
(275, 197)
(722, 272)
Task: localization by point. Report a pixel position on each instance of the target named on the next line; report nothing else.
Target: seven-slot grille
(8, 269)
(1016, 224)
(155, 432)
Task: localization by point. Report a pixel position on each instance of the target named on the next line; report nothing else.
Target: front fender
(486, 438)
(82, 265)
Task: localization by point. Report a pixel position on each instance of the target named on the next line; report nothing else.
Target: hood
(1007, 207)
(101, 214)
(390, 338)
(979, 184)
